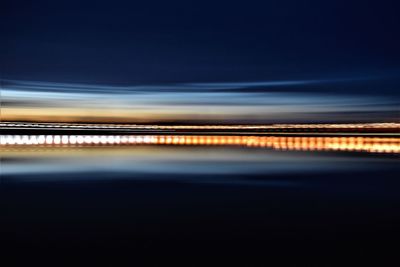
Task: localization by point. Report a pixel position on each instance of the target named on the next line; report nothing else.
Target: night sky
(136, 42)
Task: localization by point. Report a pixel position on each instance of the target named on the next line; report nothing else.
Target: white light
(57, 139)
(25, 140)
(88, 139)
(72, 139)
(103, 139)
(41, 139)
(64, 140)
(17, 140)
(96, 139)
(49, 139)
(79, 139)
(10, 140)
(110, 139)
(34, 140)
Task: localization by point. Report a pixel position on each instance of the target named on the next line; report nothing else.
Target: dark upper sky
(144, 42)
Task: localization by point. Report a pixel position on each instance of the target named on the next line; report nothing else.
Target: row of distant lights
(367, 144)
(72, 139)
(172, 127)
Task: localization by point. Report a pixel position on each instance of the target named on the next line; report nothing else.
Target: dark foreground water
(199, 206)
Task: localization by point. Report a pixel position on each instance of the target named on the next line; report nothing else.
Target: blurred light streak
(345, 126)
(355, 144)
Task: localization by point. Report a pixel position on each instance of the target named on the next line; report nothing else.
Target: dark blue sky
(146, 42)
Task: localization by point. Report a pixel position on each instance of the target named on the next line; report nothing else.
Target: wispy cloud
(195, 101)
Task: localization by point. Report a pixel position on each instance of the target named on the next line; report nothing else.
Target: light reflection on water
(210, 159)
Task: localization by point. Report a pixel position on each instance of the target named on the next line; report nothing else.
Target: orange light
(361, 144)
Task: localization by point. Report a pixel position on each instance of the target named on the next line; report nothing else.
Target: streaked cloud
(23, 100)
